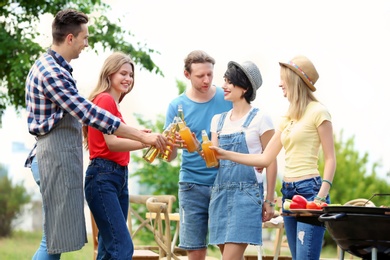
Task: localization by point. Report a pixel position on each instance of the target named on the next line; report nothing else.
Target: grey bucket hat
(252, 72)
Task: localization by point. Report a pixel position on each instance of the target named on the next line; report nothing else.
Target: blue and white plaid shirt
(51, 92)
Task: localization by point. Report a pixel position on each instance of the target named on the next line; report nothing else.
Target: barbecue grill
(358, 230)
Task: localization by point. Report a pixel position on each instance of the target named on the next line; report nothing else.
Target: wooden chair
(94, 236)
(140, 251)
(161, 218)
(161, 226)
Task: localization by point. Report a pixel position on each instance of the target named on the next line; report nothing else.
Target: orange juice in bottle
(209, 155)
(186, 135)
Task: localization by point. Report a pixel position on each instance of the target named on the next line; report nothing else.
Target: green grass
(22, 246)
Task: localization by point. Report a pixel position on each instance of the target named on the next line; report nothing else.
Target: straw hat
(252, 72)
(305, 69)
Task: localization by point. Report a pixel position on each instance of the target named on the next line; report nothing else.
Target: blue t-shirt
(197, 117)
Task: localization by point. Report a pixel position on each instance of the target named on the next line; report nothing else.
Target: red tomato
(313, 205)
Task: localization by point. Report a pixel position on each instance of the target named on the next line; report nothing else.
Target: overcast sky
(348, 42)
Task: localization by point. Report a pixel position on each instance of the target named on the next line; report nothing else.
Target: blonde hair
(298, 93)
(110, 66)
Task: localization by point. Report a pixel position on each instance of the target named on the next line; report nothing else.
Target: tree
(12, 199)
(160, 177)
(354, 178)
(19, 47)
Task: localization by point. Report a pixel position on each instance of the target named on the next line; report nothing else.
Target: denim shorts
(194, 202)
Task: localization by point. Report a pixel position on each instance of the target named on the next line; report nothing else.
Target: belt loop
(317, 180)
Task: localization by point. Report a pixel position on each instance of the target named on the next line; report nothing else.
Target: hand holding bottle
(220, 153)
(169, 132)
(192, 144)
(154, 150)
(208, 154)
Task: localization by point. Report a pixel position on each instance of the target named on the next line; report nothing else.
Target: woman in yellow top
(305, 127)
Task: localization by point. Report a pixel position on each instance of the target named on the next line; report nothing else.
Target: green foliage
(160, 177)
(181, 86)
(12, 199)
(19, 47)
(353, 178)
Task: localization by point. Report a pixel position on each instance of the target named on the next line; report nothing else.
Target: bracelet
(270, 203)
(319, 198)
(329, 182)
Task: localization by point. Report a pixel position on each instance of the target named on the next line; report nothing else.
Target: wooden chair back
(140, 221)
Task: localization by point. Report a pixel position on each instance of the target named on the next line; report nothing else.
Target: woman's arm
(155, 139)
(271, 174)
(325, 131)
(258, 160)
(116, 144)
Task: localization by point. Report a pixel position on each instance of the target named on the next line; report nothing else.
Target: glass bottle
(186, 135)
(151, 154)
(168, 132)
(209, 155)
(180, 114)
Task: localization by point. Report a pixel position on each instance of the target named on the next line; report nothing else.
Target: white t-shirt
(260, 124)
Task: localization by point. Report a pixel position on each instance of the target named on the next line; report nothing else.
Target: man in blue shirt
(200, 103)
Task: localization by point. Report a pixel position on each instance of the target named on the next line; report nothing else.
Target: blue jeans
(107, 195)
(304, 240)
(194, 202)
(41, 253)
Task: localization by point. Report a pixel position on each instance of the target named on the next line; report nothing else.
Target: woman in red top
(106, 179)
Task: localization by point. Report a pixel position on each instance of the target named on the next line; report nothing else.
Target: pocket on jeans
(254, 195)
(72, 170)
(185, 186)
(307, 188)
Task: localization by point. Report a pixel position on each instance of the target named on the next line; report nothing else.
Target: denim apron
(60, 162)
(237, 197)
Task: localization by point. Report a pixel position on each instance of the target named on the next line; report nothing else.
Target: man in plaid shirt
(56, 113)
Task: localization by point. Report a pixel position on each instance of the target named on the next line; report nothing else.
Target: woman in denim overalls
(236, 205)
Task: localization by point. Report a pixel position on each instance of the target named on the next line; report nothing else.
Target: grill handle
(330, 217)
(376, 194)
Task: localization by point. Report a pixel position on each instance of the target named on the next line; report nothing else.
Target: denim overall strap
(250, 117)
(235, 142)
(220, 122)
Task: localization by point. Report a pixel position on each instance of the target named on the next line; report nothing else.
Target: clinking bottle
(186, 135)
(209, 155)
(151, 154)
(180, 114)
(168, 132)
